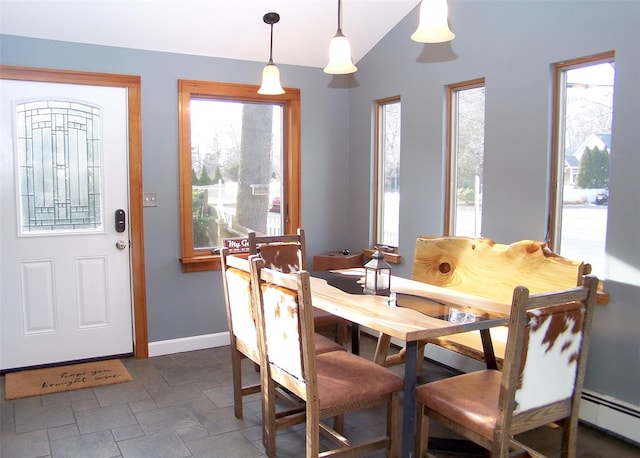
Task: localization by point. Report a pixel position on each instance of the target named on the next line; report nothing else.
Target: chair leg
(421, 345)
(569, 436)
(269, 417)
(393, 430)
(313, 432)
(422, 433)
(236, 369)
(338, 424)
(341, 333)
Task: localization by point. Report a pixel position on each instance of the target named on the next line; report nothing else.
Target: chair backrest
(481, 267)
(546, 352)
(285, 326)
(237, 294)
(286, 253)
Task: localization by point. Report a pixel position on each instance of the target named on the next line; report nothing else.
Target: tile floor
(181, 405)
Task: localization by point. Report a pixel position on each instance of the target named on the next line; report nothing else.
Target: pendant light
(433, 26)
(271, 74)
(340, 62)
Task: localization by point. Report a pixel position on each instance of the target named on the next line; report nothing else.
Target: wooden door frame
(132, 84)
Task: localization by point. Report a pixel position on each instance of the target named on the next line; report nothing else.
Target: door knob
(121, 244)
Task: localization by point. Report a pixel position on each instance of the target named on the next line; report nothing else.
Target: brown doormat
(35, 382)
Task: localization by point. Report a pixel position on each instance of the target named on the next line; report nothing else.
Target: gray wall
(511, 44)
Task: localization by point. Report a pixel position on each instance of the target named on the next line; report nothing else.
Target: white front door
(65, 269)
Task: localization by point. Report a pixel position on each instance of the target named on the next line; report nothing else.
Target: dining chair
(541, 381)
(331, 384)
(287, 253)
(242, 325)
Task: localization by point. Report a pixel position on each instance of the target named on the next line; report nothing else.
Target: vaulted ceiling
(219, 28)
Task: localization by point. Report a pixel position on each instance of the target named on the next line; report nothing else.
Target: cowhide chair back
(284, 253)
(287, 253)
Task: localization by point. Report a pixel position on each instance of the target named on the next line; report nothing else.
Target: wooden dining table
(414, 311)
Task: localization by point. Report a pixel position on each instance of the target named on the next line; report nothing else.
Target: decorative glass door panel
(60, 166)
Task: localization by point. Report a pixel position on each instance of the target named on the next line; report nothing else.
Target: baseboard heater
(612, 415)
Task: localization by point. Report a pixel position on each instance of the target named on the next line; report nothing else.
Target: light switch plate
(150, 199)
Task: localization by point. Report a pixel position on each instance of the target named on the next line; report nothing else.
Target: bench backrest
(484, 268)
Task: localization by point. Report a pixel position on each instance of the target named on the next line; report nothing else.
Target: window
(387, 172)
(239, 166)
(465, 155)
(583, 98)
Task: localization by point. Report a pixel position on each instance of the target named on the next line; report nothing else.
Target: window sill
(390, 257)
(200, 263)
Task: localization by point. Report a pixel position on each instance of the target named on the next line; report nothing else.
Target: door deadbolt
(120, 220)
(121, 244)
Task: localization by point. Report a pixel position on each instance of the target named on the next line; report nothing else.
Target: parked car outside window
(602, 198)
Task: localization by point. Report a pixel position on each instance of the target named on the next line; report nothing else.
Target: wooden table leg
(487, 346)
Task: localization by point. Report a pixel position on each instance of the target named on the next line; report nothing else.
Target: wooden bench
(481, 267)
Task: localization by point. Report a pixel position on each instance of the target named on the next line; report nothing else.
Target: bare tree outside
(252, 202)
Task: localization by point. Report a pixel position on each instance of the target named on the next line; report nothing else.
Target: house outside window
(582, 147)
(465, 157)
(387, 172)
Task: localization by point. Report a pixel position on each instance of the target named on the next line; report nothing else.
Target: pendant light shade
(270, 81)
(433, 26)
(340, 62)
(271, 74)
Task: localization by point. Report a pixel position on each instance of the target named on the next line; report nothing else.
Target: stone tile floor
(181, 405)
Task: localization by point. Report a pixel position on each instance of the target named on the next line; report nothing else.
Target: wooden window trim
(201, 260)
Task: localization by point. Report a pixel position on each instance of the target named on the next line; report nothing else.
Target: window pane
(236, 176)
(467, 154)
(388, 193)
(586, 109)
(59, 157)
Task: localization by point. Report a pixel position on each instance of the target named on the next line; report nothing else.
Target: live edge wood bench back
(481, 267)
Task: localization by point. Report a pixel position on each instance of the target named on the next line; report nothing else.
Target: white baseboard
(167, 347)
